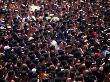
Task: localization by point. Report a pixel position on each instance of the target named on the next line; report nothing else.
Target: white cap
(54, 43)
(30, 38)
(6, 47)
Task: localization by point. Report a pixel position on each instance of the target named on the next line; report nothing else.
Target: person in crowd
(54, 41)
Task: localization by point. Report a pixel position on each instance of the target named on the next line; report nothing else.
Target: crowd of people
(54, 41)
